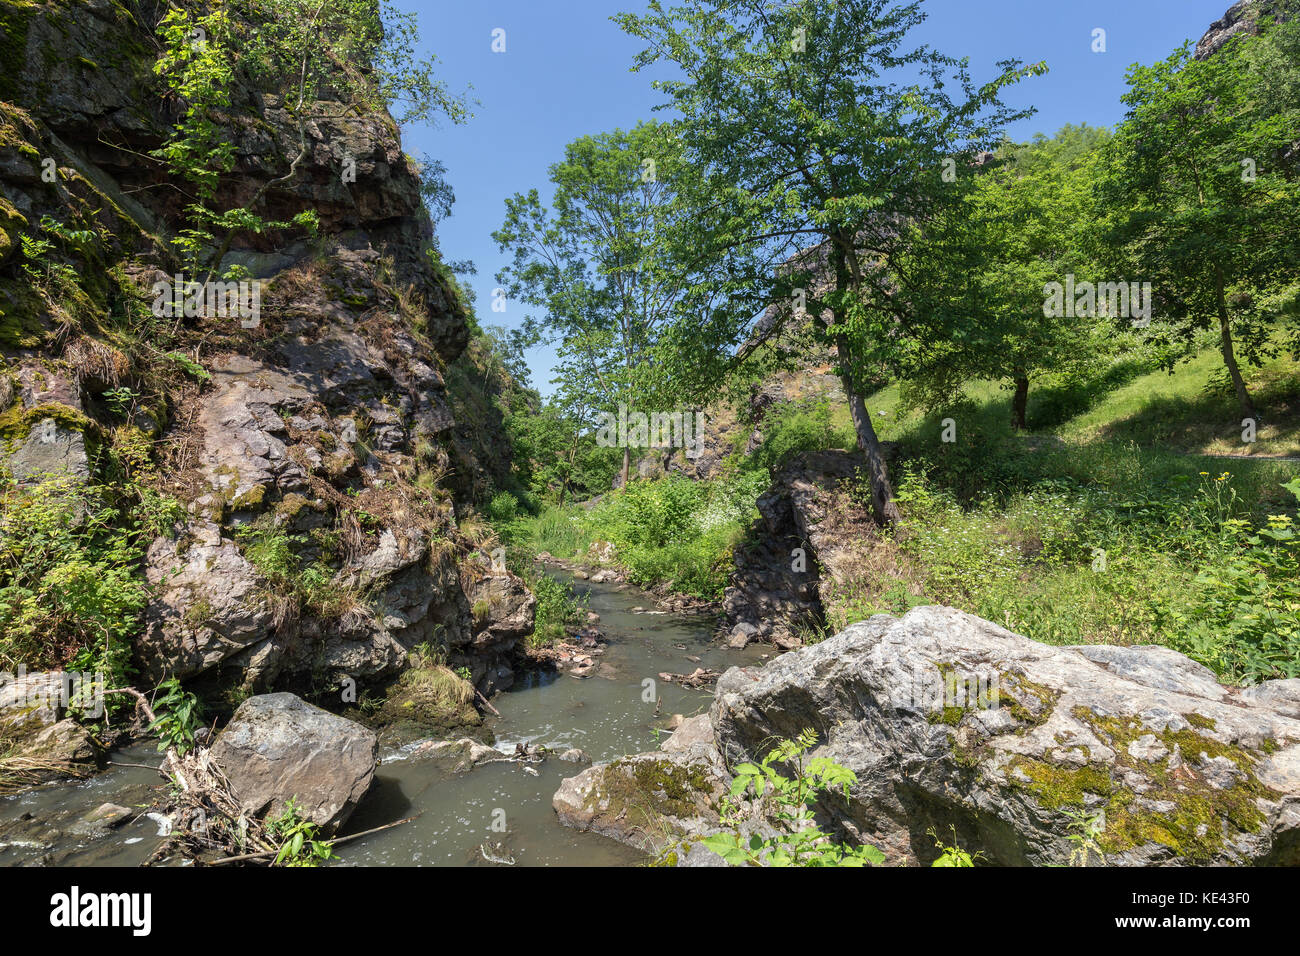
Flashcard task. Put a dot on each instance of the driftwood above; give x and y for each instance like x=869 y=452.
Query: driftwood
x=264 y=854
x=485 y=702
x=700 y=677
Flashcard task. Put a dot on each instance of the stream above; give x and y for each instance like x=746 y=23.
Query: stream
x=499 y=810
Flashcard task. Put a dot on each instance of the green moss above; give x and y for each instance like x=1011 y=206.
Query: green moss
x=948 y=715
x=1028 y=702
x=291 y=505
x=1057 y=786
x=16 y=423
x=433 y=698
x=249 y=500
x=21 y=311
x=198 y=613
x=1198 y=819
x=650 y=788
x=15 y=20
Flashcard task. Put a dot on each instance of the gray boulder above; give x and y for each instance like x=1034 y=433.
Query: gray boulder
x=49 y=450
x=950 y=721
x=953 y=724
x=648 y=801
x=278 y=746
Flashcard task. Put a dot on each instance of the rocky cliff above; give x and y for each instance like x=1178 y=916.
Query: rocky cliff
x=312 y=528
x=1243 y=17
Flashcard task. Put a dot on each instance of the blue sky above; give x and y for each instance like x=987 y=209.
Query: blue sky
x=565 y=73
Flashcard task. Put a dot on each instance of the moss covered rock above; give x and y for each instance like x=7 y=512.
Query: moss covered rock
x=648 y=801
x=1033 y=754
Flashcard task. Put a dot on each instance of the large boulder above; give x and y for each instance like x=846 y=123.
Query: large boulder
x=950 y=721
x=278 y=747
x=649 y=801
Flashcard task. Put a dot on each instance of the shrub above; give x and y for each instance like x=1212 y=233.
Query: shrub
x=794 y=427
x=787 y=804
x=71 y=592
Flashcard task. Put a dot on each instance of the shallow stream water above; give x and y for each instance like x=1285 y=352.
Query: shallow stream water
x=498 y=810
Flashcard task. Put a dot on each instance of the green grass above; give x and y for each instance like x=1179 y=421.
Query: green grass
x=1176 y=412
x=671 y=531
x=1179 y=412
x=558 y=531
x=1111 y=522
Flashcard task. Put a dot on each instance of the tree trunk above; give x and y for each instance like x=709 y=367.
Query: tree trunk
x=1019 y=401
x=627 y=462
x=1229 y=356
x=882 y=495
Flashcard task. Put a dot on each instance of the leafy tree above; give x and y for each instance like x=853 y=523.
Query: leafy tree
x=824 y=142
x=1202 y=203
x=1025 y=223
x=598 y=262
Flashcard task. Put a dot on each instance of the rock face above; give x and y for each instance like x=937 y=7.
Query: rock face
x=950 y=721
x=323 y=430
x=805 y=544
x=1243 y=17
x=278 y=747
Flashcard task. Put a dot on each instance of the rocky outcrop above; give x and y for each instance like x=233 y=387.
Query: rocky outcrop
x=953 y=724
x=313 y=450
x=802 y=549
x=278 y=747
x=1243 y=17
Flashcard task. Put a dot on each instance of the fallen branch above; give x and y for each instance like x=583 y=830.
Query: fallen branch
x=244 y=857
x=142 y=703
x=695 y=679
x=486 y=703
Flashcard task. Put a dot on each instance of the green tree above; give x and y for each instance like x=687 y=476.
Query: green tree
x=1025 y=224
x=831 y=141
x=1200 y=198
x=598 y=264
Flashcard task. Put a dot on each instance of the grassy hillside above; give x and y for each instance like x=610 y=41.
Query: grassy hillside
x=1177 y=412
x=1114 y=520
